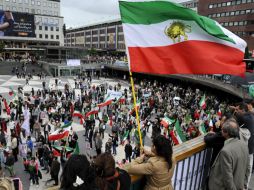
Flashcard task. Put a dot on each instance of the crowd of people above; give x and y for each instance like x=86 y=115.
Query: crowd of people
x=173 y=113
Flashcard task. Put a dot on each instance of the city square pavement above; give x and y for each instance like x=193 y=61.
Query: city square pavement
x=12 y=81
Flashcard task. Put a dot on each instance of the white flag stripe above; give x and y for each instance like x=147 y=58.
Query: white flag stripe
x=139 y=35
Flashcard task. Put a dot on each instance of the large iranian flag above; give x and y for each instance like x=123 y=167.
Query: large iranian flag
x=165 y=38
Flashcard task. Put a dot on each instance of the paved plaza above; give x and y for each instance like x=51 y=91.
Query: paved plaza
x=36 y=83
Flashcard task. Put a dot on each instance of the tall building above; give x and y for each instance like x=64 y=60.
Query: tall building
x=36 y=23
x=235 y=15
x=107 y=35
x=104 y=36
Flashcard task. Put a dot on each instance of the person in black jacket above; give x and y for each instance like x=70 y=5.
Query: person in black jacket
x=128 y=151
x=54 y=170
x=78 y=174
x=107 y=176
x=245 y=119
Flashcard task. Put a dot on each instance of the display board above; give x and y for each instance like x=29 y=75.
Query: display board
x=16 y=24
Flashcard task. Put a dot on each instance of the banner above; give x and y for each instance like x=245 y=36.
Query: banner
x=16 y=24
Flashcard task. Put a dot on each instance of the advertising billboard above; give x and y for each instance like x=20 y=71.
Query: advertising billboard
x=73 y=62
x=16 y=24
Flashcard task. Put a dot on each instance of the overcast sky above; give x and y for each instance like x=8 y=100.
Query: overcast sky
x=81 y=12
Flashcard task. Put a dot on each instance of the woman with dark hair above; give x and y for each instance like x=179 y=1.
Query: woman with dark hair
x=78 y=174
x=107 y=176
x=157 y=165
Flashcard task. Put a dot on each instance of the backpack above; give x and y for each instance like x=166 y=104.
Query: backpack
x=6 y=184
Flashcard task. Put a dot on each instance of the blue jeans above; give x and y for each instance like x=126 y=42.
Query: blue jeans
x=114 y=149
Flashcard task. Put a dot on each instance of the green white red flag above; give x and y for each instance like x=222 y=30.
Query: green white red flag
x=202 y=102
x=181 y=137
x=167 y=121
x=79 y=115
x=166 y=38
x=93 y=111
x=138 y=103
x=111 y=96
x=11 y=92
x=59 y=134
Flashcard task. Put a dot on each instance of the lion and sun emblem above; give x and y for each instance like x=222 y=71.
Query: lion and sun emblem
x=177 y=30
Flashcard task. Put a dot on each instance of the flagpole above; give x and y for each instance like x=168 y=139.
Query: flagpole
x=136 y=109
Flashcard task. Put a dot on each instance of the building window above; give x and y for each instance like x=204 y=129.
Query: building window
x=228 y=3
x=38 y=3
x=232 y=13
x=14 y=1
x=219 y=5
x=14 y=8
x=57 y=21
x=32 y=2
x=237 y=12
x=248 y=11
x=226 y=24
x=50 y=4
x=52 y=28
x=55 y=5
x=215 y=6
x=40 y=27
x=55 y=13
x=44 y=4
x=230 y=24
x=38 y=11
x=20 y=1
x=242 y=12
x=243 y=1
x=20 y=9
x=241 y=23
x=7 y=0
x=46 y=36
x=46 y=28
x=235 y=23
x=224 y=4
x=227 y=13
x=27 y=10
x=238 y=2
x=222 y=14
x=33 y=11
x=57 y=37
x=40 y=35
x=218 y=15
x=57 y=29
x=51 y=36
x=210 y=6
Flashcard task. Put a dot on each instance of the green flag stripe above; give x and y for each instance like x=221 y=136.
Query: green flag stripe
x=179 y=131
x=153 y=12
